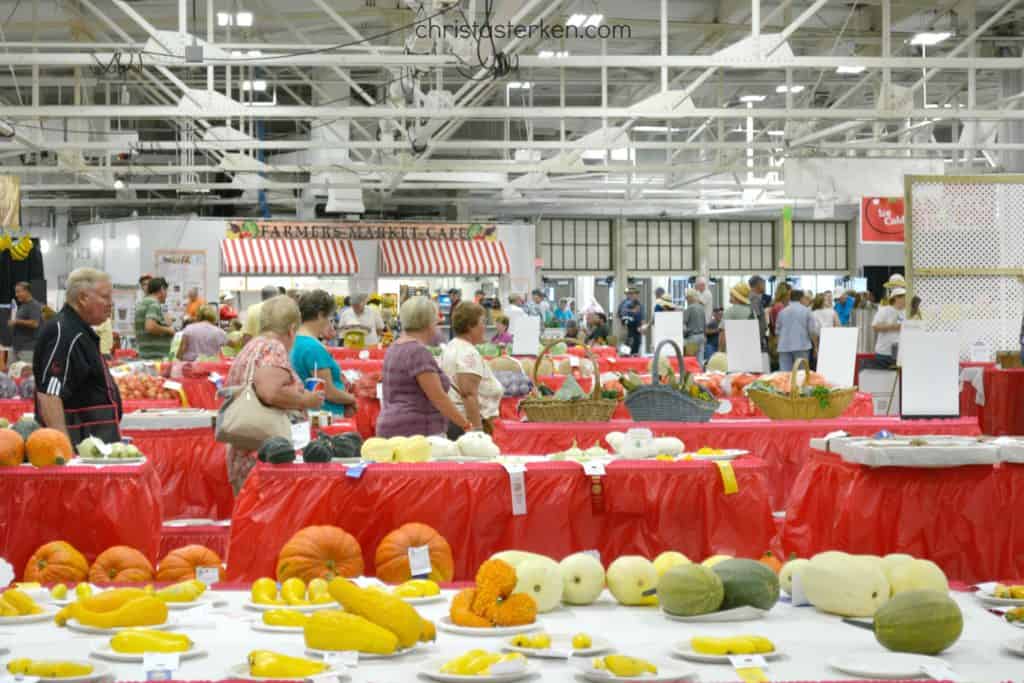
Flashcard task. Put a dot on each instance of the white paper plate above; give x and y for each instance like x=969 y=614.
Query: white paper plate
x=368 y=655
x=241 y=672
x=47 y=614
x=204 y=599
x=683 y=649
x=105 y=652
x=561 y=642
x=73 y=625
x=298 y=608
x=735 y=614
x=110 y=461
x=445 y=624
x=885 y=665
x=729 y=454
x=432 y=669
x=425 y=601
x=258 y=625
x=99 y=670
x=665 y=673
x=4 y=650
x=987 y=597
x=1015 y=647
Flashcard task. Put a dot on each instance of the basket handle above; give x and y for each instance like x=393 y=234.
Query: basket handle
x=596 y=393
x=794 y=391
x=655 y=378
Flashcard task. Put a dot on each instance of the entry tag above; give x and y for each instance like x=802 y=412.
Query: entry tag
x=171 y=385
x=301 y=434
x=208 y=575
x=574 y=362
x=749 y=668
x=593 y=468
x=517 y=482
x=347 y=658
x=729 y=483
x=380 y=392
x=160 y=666
x=419 y=561
x=356 y=471
x=797 y=596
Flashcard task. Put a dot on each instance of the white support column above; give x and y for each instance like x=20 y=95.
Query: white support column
x=664 y=44
x=183 y=18
x=755 y=25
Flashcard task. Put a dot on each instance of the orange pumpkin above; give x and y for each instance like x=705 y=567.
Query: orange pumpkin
x=12 y=448
x=56 y=562
x=392 y=557
x=769 y=560
x=48 y=447
x=181 y=564
x=320 y=551
x=121 y=564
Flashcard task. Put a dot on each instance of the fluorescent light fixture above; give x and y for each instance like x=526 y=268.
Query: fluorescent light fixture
x=258 y=85
x=792 y=88
x=131 y=241
x=934 y=105
x=576 y=20
x=96 y=244
x=546 y=54
x=738 y=129
x=243 y=19
x=617 y=154
x=265 y=103
x=118 y=184
x=929 y=38
x=850 y=69
x=655 y=129
x=236 y=53
x=44 y=246
x=753 y=98
x=776 y=133
x=593 y=20
x=224 y=19
x=520 y=85
x=254 y=53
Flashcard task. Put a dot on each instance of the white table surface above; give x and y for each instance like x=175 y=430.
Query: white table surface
x=807 y=637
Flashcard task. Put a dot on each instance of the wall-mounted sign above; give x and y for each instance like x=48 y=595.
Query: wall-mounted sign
x=360 y=230
x=881 y=219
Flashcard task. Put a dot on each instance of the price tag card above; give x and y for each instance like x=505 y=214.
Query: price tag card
x=171 y=385
x=301 y=434
x=574 y=362
x=798 y=596
x=348 y=659
x=356 y=471
x=159 y=663
x=517 y=482
x=326 y=677
x=208 y=575
x=750 y=668
x=380 y=392
x=419 y=561
x=18 y=679
x=593 y=468
x=940 y=671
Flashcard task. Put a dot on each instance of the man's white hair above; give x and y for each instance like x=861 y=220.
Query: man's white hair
x=82 y=280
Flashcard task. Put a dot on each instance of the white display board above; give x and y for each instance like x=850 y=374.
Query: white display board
x=183 y=270
x=668 y=325
x=837 y=355
x=930 y=382
x=525 y=331
x=743 y=346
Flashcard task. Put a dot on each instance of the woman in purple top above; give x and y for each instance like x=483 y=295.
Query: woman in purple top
x=415 y=397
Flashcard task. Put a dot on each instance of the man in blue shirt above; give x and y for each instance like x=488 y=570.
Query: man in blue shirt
x=794 y=327
x=631 y=313
x=844 y=307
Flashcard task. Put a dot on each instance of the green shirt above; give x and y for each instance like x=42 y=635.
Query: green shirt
x=151 y=346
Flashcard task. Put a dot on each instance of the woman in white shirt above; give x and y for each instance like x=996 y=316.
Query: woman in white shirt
x=824 y=314
x=475 y=391
x=887 y=324
x=359 y=316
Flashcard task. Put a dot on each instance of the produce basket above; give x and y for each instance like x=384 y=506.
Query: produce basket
x=657 y=402
x=797 y=407
x=549 y=409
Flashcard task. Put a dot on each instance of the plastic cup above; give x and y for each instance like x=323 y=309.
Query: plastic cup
x=314 y=384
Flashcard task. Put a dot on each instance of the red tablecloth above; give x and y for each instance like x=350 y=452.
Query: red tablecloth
x=13 y=408
x=962 y=518
x=192 y=471
x=200 y=392
x=1003 y=412
x=784 y=444
x=339 y=426
x=646 y=508
x=91 y=508
x=361 y=365
x=213 y=536
x=340 y=353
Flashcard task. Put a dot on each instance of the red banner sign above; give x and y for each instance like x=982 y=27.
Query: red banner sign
x=360 y=230
x=881 y=219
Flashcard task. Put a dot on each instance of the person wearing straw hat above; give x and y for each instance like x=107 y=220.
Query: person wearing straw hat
x=739 y=309
x=887 y=324
x=694 y=324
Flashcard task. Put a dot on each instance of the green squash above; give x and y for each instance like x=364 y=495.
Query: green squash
x=690 y=589
x=347 y=445
x=276 y=450
x=570 y=390
x=922 y=622
x=318 y=450
x=747 y=583
x=25 y=427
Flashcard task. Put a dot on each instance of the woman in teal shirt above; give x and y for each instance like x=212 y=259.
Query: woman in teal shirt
x=310 y=358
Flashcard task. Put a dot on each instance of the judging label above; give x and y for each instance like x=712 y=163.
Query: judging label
x=593 y=468
x=356 y=471
x=171 y=385
x=517 y=482
x=208 y=575
x=419 y=561
x=749 y=668
x=160 y=662
x=346 y=658
x=301 y=434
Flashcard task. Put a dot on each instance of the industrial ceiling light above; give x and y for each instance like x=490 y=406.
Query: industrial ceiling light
x=656 y=129
x=520 y=85
x=791 y=89
x=118 y=184
x=852 y=70
x=551 y=54
x=747 y=99
x=96 y=244
x=243 y=19
x=224 y=19
x=131 y=241
x=929 y=38
x=257 y=85
x=576 y=20
x=776 y=133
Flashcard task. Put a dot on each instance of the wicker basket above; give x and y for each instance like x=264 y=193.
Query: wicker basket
x=796 y=407
x=548 y=409
x=658 y=402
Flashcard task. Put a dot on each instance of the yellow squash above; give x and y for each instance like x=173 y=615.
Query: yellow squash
x=293 y=591
x=138 y=641
x=284 y=617
x=48 y=668
x=337 y=630
x=7 y=609
x=83 y=590
x=59 y=592
x=20 y=601
x=383 y=609
x=186 y=591
x=732 y=645
x=264 y=592
x=144 y=611
x=318 y=592
x=267 y=664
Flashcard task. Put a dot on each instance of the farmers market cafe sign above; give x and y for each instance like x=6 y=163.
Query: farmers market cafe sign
x=360 y=231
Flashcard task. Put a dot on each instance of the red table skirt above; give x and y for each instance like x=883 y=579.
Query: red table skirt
x=213 y=536
x=1003 y=412
x=962 y=518
x=339 y=426
x=90 y=508
x=200 y=392
x=784 y=444
x=191 y=469
x=341 y=353
x=13 y=408
x=644 y=508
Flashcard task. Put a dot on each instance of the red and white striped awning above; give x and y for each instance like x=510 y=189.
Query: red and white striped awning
x=444 y=257
x=288 y=257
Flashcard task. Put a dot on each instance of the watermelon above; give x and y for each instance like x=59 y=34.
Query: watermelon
x=924 y=622
x=318 y=450
x=276 y=450
x=689 y=589
x=347 y=445
x=747 y=583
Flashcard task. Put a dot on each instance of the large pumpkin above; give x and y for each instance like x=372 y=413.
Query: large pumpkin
x=320 y=551
x=121 y=564
x=392 y=557
x=48 y=447
x=56 y=562
x=12 y=448
x=181 y=564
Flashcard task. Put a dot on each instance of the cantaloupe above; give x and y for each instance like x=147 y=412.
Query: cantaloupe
x=921 y=622
x=687 y=590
